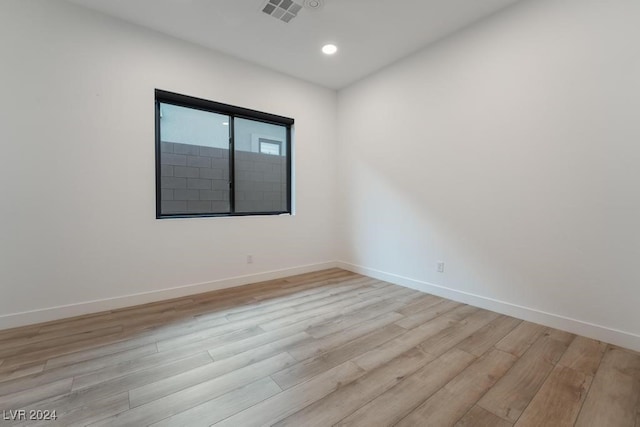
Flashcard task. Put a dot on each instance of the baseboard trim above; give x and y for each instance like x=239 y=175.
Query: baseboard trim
x=71 y=310
x=590 y=330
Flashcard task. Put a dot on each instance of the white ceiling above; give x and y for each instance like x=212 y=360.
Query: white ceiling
x=370 y=34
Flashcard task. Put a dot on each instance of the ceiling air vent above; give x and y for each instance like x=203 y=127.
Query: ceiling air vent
x=284 y=10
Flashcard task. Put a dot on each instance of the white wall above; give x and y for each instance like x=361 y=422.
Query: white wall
x=510 y=151
x=78 y=189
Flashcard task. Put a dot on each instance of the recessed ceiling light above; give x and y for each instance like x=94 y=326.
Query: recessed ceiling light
x=225 y=123
x=329 y=49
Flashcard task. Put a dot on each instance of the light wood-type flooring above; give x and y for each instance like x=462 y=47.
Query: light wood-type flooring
x=320 y=349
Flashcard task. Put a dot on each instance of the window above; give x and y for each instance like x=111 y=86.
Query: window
x=215 y=159
x=268 y=146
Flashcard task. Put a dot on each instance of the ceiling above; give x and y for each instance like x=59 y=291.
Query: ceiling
x=370 y=34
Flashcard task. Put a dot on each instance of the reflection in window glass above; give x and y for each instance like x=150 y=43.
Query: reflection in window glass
x=260 y=166
x=270 y=147
x=194 y=161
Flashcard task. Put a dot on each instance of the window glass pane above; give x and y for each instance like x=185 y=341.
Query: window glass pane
x=194 y=161
x=268 y=146
x=260 y=166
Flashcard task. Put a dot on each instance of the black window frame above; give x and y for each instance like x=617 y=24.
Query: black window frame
x=165 y=97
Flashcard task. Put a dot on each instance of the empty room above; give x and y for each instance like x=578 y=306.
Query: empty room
x=320 y=212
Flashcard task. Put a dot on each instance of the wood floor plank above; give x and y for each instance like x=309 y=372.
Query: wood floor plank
x=316 y=279
x=215 y=306
x=454 y=334
x=322 y=317
x=99 y=352
x=459 y=395
x=285 y=312
x=484 y=338
x=7 y=350
x=122 y=369
x=14 y=370
x=279 y=342
x=224 y=406
x=39 y=341
x=316 y=365
x=288 y=320
x=21 y=372
x=92 y=396
x=391 y=406
x=615 y=391
x=300 y=286
x=204 y=335
x=462 y=312
x=558 y=401
x=128 y=343
x=395 y=347
x=7 y=335
x=309 y=300
x=188 y=398
x=169 y=385
x=40 y=356
x=347 y=399
x=478 y=417
x=34 y=330
x=43 y=350
x=282 y=405
x=518 y=341
x=357 y=288
x=127 y=317
x=416 y=319
x=324 y=281
x=353 y=318
x=513 y=392
x=584 y=355
x=218 y=304
x=92 y=321
x=20 y=399
x=408 y=296
x=92 y=411
x=327 y=343
x=70 y=371
x=424 y=302
x=135 y=321
x=267 y=321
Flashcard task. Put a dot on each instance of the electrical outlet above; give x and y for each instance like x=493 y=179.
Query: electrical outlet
x=440 y=267
x=249 y=259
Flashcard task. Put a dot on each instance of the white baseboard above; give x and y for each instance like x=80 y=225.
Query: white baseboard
x=590 y=330
x=55 y=313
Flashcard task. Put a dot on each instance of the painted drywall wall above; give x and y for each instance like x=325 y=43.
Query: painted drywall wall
x=510 y=152
x=78 y=172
